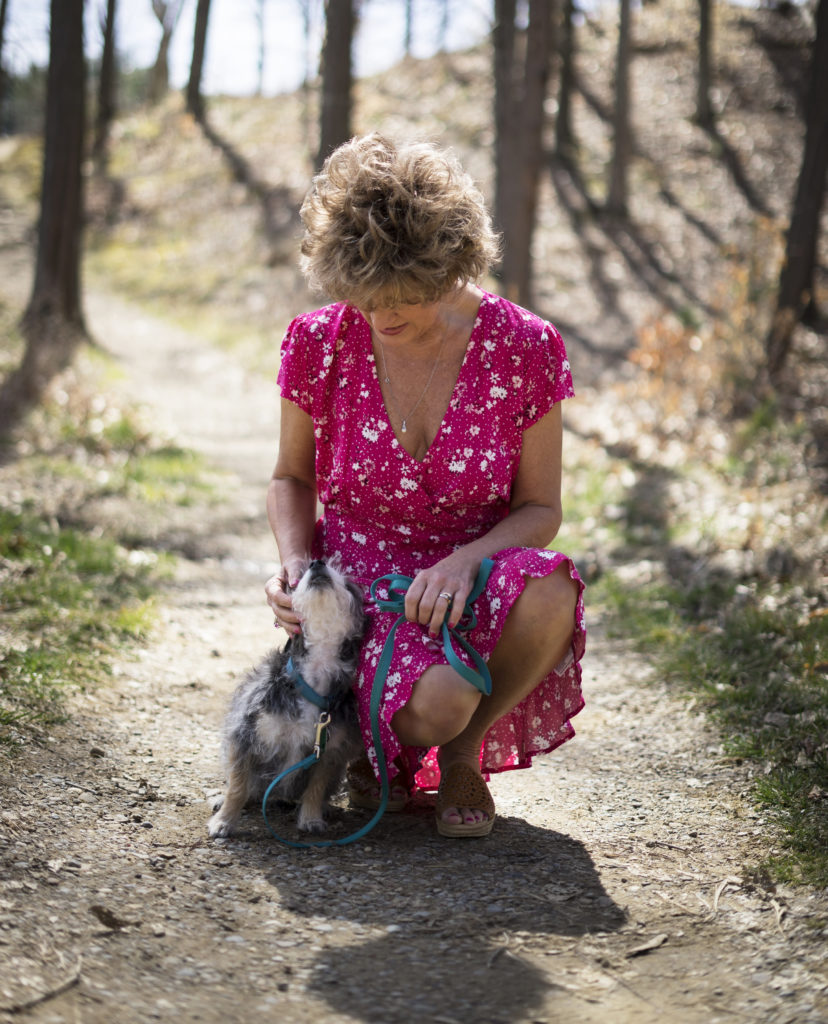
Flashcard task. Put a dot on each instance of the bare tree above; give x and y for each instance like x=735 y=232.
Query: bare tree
x=53 y=324
x=521 y=71
x=167 y=12
x=4 y=8
x=704 y=107
x=445 y=21
x=260 y=58
x=195 y=100
x=564 y=134
x=337 y=77
x=409 y=27
x=107 y=84
x=795 y=292
x=621 y=127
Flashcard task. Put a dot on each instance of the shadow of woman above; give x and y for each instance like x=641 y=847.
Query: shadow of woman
x=422 y=926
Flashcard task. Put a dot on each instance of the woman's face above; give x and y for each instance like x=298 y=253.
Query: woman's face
x=406 y=323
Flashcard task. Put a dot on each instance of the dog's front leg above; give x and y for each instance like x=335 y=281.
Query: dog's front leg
x=224 y=821
x=312 y=805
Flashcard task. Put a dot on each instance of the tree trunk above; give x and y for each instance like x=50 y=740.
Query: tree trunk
x=409 y=27
x=260 y=60
x=106 y=92
x=167 y=12
x=53 y=323
x=796 y=277
x=337 y=77
x=521 y=70
x=195 y=100
x=564 y=136
x=622 y=131
x=4 y=6
x=704 y=108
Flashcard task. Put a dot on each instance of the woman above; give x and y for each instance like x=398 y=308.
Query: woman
x=424 y=414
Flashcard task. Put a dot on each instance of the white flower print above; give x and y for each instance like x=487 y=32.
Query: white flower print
x=496 y=391
x=360 y=538
x=517 y=382
x=370 y=435
x=408 y=484
x=457 y=466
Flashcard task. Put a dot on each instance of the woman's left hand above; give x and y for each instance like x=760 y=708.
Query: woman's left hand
x=445 y=585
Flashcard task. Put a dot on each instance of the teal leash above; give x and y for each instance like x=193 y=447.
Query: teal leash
x=396 y=586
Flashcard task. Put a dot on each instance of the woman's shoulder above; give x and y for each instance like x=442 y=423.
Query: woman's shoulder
x=507 y=321
x=323 y=322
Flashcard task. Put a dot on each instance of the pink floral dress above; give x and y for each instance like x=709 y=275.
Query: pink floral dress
x=385 y=511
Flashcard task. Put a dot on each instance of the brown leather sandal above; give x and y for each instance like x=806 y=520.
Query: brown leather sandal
x=462 y=786
x=364 y=787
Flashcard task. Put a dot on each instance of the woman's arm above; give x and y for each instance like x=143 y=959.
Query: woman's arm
x=533 y=521
x=291 y=507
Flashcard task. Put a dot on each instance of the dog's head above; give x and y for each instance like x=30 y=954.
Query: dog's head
x=329 y=604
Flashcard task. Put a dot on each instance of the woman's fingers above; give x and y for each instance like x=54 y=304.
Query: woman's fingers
x=432 y=595
x=281 y=604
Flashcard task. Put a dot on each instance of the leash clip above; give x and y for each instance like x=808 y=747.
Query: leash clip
x=321 y=734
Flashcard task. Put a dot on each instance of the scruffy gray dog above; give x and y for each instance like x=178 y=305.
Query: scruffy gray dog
x=271 y=725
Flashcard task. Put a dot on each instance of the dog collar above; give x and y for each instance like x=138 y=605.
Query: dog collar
x=305 y=689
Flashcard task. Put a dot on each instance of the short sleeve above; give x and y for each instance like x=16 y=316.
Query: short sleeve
x=548 y=378
x=296 y=376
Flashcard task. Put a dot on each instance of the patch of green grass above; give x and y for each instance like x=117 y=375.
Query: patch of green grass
x=759 y=660
x=67 y=600
x=170 y=475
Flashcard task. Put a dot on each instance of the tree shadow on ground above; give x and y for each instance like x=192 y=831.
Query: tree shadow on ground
x=730 y=158
x=641 y=254
x=435 y=916
x=279 y=209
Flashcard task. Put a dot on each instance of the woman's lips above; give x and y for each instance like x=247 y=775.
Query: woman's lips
x=392 y=331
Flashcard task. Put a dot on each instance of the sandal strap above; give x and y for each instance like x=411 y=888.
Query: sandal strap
x=462 y=786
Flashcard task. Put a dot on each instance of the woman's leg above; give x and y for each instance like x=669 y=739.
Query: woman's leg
x=536 y=637
x=447 y=712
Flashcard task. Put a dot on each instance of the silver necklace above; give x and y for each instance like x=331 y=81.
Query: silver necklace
x=387 y=380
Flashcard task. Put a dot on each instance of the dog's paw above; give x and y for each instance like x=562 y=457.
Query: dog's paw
x=217 y=803
x=310 y=822
x=219 y=827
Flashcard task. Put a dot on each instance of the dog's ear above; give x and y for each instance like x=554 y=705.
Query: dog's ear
x=357 y=595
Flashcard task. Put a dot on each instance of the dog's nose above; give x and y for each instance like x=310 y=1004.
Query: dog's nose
x=318 y=572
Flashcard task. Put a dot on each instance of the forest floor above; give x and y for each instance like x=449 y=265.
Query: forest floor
x=613 y=887
x=619 y=883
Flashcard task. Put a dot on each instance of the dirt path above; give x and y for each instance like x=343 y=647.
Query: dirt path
x=613 y=888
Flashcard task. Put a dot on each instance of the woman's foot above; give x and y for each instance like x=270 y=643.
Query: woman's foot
x=364 y=789
x=464 y=804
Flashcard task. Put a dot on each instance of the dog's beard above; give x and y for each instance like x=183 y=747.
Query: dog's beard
x=330 y=607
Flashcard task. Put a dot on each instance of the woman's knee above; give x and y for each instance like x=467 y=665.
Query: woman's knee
x=549 y=599
x=440 y=707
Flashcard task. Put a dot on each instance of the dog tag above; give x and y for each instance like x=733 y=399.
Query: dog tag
x=321 y=734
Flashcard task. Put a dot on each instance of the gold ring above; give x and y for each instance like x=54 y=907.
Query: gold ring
x=447 y=597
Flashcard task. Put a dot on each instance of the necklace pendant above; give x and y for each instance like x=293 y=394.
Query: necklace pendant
x=403 y=428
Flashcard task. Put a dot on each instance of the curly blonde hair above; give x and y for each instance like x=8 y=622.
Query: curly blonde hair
x=387 y=225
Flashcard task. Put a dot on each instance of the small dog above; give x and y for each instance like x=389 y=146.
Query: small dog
x=271 y=725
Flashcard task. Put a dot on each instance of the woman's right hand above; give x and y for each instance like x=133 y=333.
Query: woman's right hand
x=278 y=589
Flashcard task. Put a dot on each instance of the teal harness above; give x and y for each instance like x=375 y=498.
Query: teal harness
x=395 y=586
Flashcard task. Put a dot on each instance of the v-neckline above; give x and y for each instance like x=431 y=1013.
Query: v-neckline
x=470 y=344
